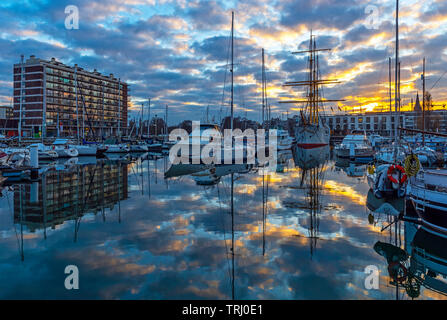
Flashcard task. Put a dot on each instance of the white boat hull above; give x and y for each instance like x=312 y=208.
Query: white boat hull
x=86 y=150
x=66 y=152
x=312 y=136
x=117 y=148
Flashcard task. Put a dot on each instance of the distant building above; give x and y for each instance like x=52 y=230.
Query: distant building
x=383 y=123
x=417 y=106
x=6 y=112
x=51 y=97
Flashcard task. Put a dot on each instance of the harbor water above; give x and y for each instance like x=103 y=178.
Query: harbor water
x=301 y=232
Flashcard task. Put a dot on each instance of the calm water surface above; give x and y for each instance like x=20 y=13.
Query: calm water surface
x=301 y=233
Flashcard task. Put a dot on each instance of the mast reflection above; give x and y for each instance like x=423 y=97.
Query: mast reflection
x=312 y=163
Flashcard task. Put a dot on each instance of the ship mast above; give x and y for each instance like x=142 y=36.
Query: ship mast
x=263 y=89
x=313 y=83
x=423 y=103
x=397 y=84
x=232 y=71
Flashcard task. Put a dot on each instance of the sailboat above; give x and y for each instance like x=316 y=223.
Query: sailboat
x=202 y=135
x=389 y=181
x=310 y=131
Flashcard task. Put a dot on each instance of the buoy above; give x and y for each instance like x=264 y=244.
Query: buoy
x=391 y=170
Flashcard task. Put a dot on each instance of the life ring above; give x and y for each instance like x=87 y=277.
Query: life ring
x=394 y=268
x=391 y=169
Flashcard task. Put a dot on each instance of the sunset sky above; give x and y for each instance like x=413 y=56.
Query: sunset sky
x=175 y=51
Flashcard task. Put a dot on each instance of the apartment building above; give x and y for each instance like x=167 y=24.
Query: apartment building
x=51 y=99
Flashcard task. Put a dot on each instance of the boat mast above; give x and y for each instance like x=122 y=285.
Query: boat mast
x=397 y=84
x=313 y=82
x=166 y=123
x=141 y=121
x=389 y=81
x=311 y=79
x=232 y=174
x=263 y=88
x=423 y=103
x=149 y=119
x=232 y=70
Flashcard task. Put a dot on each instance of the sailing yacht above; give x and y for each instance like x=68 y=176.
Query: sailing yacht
x=389 y=181
x=311 y=131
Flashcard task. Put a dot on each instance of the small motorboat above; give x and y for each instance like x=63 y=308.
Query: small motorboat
x=45 y=152
x=284 y=141
x=356 y=147
x=64 y=149
x=138 y=147
x=387 y=181
x=117 y=148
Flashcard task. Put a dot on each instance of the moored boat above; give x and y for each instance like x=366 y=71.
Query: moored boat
x=428 y=192
x=64 y=149
x=355 y=146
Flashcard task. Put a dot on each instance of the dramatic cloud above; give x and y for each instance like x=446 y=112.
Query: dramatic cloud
x=177 y=52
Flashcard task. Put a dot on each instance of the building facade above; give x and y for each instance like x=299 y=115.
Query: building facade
x=51 y=98
x=6 y=112
x=384 y=123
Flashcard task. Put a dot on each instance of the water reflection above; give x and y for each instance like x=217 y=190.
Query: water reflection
x=312 y=163
x=63 y=195
x=423 y=263
x=150 y=231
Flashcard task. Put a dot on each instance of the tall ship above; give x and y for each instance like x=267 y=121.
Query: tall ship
x=310 y=130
